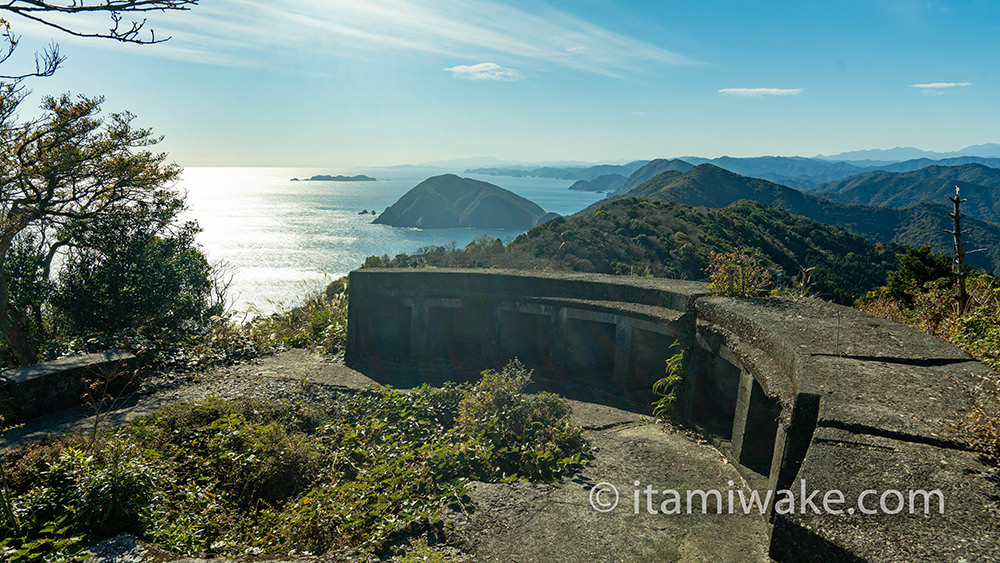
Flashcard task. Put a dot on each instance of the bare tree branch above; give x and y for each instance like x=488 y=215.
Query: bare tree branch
x=39 y=11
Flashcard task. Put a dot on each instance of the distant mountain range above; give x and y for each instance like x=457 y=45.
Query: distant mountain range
x=903 y=202
x=990 y=150
x=563 y=172
x=979 y=184
x=922 y=222
x=798 y=172
x=667 y=217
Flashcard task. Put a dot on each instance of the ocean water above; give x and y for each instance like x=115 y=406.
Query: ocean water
x=281 y=239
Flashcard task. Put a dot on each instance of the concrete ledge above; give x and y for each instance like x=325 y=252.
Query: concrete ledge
x=792 y=390
x=32 y=391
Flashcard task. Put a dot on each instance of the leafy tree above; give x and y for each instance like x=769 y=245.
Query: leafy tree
x=138 y=277
x=917 y=268
x=63 y=175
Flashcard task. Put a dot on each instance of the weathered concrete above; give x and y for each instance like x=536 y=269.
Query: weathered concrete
x=791 y=390
x=33 y=391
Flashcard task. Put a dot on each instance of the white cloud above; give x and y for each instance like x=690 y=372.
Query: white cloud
x=941 y=85
x=757 y=92
x=264 y=33
x=484 y=71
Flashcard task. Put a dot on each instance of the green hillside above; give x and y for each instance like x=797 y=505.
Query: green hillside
x=639 y=237
x=980 y=185
x=650 y=171
x=924 y=223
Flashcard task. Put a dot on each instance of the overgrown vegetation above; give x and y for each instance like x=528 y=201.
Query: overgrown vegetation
x=246 y=476
x=319 y=323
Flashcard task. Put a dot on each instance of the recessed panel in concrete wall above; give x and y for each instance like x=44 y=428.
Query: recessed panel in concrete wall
x=384 y=333
x=715 y=388
x=648 y=359
x=456 y=334
x=590 y=347
x=529 y=337
x=755 y=425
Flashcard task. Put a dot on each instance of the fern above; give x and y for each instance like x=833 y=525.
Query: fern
x=668 y=388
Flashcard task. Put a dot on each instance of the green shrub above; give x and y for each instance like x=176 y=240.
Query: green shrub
x=106 y=493
x=522 y=434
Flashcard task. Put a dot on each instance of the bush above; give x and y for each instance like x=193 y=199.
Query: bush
x=526 y=435
x=980 y=426
x=740 y=273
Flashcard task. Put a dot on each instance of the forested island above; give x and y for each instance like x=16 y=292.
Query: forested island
x=448 y=201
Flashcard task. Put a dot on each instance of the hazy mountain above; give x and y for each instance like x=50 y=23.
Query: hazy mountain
x=563 y=172
x=795 y=171
x=990 y=150
x=908 y=165
x=606 y=183
x=450 y=201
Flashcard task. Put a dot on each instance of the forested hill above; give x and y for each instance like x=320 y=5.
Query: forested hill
x=923 y=224
x=641 y=237
x=980 y=185
x=448 y=201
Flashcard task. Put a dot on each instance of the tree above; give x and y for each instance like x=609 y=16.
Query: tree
x=917 y=268
x=48 y=12
x=135 y=277
x=62 y=176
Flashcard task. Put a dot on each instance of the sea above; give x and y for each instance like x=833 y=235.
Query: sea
x=280 y=240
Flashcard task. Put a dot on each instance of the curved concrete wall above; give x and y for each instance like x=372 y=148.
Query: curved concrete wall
x=792 y=391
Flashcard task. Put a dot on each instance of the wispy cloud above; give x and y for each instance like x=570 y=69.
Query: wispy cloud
x=758 y=92
x=267 y=33
x=941 y=85
x=484 y=71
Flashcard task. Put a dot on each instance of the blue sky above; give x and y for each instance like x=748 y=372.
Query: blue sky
x=346 y=83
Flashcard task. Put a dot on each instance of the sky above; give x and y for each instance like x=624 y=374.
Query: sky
x=344 y=84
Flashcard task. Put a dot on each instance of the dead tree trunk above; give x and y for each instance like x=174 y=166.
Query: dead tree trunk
x=958 y=249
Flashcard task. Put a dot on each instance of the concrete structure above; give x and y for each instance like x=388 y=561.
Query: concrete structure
x=801 y=395
x=32 y=391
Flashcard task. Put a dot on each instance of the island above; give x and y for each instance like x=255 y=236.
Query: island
x=606 y=183
x=338 y=178
x=450 y=201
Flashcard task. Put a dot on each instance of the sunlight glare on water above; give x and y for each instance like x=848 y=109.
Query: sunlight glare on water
x=283 y=239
